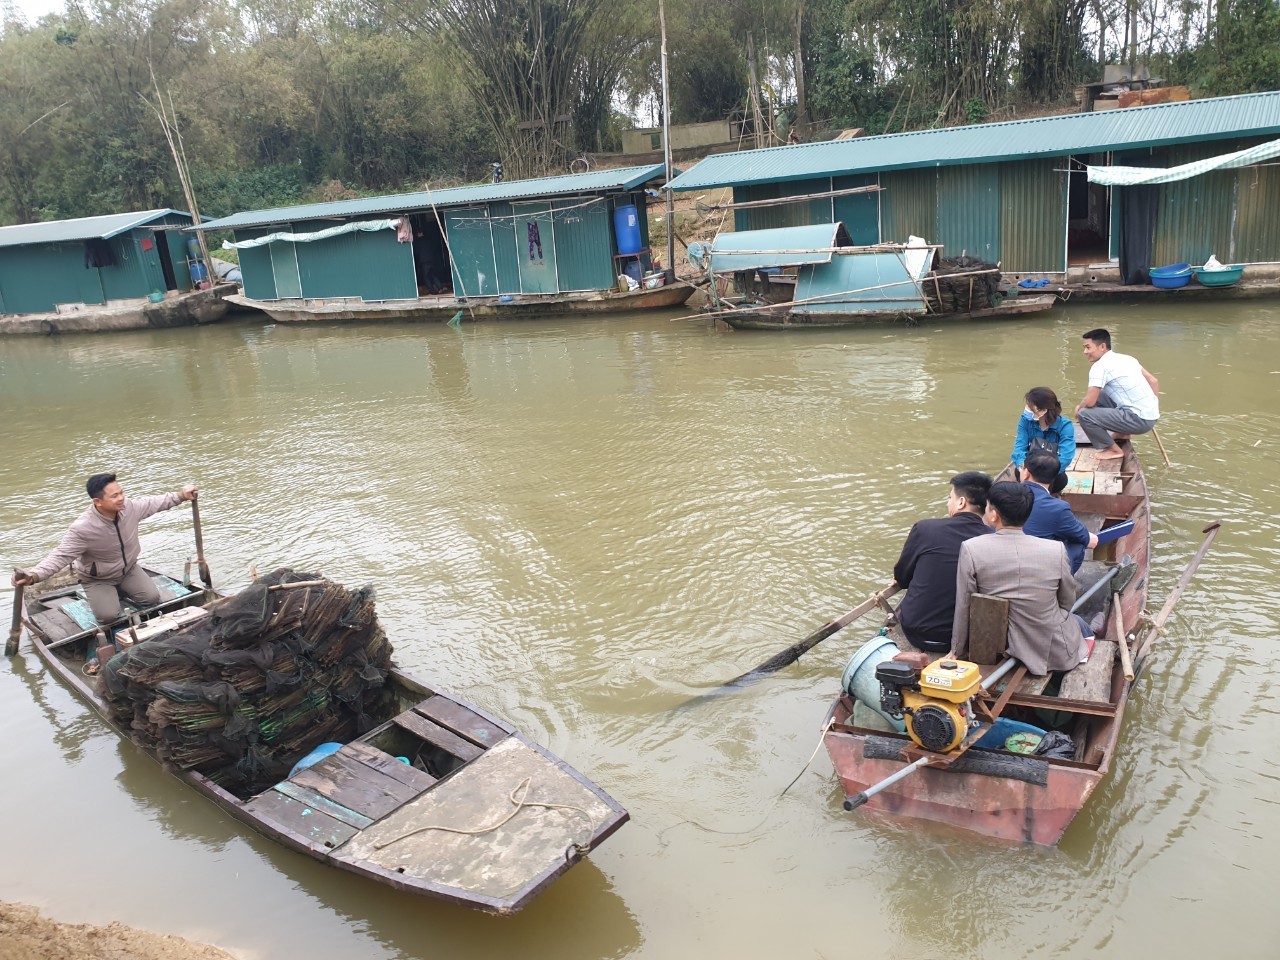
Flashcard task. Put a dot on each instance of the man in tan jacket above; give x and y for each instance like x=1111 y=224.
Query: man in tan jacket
x=102 y=547
x=1032 y=574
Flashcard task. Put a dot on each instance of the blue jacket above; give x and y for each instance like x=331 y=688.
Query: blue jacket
x=1063 y=433
x=1052 y=519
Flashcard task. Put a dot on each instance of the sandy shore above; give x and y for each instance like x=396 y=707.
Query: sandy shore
x=26 y=935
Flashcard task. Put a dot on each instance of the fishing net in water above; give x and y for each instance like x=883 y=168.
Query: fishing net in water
x=241 y=695
x=956 y=285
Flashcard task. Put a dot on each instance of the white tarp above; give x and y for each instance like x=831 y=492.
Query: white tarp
x=1134 y=176
x=368 y=226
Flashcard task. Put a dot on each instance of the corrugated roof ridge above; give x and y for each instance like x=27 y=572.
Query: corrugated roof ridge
x=145 y=214
x=592 y=180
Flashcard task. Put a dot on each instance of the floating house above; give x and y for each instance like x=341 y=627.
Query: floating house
x=1019 y=193
x=555 y=241
x=51 y=267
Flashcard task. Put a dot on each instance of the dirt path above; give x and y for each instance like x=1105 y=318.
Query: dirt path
x=26 y=935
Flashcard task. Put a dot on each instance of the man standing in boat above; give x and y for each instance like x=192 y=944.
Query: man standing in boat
x=1122 y=398
x=1032 y=574
x=927 y=567
x=102 y=547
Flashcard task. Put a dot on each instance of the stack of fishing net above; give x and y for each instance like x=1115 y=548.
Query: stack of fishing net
x=961 y=285
x=240 y=695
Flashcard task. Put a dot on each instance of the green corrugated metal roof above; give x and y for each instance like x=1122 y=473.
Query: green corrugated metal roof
x=84 y=228
x=777 y=247
x=1253 y=114
x=598 y=181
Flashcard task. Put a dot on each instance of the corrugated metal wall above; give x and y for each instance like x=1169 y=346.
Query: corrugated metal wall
x=372 y=266
x=1033 y=211
x=969 y=211
x=177 y=243
x=584 y=247
x=859 y=212
x=909 y=204
x=471 y=242
x=1257 y=227
x=36 y=278
x=259 y=280
x=783 y=215
x=505 y=251
x=1195 y=215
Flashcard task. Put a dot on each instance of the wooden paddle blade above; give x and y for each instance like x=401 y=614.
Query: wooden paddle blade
x=15 y=631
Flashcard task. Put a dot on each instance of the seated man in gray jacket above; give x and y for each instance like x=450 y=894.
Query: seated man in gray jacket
x=102 y=546
x=1032 y=574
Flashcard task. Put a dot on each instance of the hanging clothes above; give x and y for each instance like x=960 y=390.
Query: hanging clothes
x=97 y=253
x=404 y=231
x=535 y=239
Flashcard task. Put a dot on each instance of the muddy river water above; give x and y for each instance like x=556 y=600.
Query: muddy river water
x=578 y=525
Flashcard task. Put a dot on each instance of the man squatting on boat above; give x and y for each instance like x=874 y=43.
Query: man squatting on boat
x=1122 y=398
x=102 y=547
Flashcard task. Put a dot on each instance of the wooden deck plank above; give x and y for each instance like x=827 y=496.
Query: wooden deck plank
x=465 y=723
x=291 y=788
x=56 y=624
x=1092 y=681
x=385 y=763
x=355 y=786
x=433 y=733
x=1107 y=483
x=301 y=818
x=1079 y=481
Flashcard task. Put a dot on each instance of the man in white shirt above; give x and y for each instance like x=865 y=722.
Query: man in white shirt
x=1122 y=398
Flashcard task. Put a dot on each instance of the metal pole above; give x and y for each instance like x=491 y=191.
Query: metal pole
x=666 y=148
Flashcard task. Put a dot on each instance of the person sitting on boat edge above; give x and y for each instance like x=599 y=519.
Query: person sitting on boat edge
x=1032 y=574
x=102 y=547
x=1123 y=397
x=1043 y=427
x=927 y=567
x=1051 y=518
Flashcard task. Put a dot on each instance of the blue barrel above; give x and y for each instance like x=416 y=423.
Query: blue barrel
x=198 y=272
x=859 y=679
x=626 y=224
x=193 y=248
x=634 y=270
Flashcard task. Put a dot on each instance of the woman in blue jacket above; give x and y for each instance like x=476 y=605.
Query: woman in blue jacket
x=1042 y=426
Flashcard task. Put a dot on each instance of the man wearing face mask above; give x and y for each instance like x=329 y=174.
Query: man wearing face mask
x=102 y=546
x=927 y=567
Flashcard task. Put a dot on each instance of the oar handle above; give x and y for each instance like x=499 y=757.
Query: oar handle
x=15 y=631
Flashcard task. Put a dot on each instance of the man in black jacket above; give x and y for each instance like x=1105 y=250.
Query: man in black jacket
x=927 y=567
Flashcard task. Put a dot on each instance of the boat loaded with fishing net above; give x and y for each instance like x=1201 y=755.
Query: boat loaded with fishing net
x=282 y=704
x=814 y=276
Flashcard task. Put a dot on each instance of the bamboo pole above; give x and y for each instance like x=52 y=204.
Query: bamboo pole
x=781 y=201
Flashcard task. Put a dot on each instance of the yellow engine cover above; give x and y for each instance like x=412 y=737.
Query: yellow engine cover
x=938 y=714
x=954 y=680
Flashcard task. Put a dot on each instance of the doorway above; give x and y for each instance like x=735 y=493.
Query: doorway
x=430 y=256
x=1088 y=214
x=536 y=247
x=161 y=240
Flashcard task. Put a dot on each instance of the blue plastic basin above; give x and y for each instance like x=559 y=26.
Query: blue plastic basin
x=859 y=679
x=1173 y=275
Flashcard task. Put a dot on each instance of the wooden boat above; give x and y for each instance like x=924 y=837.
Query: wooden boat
x=785 y=319
x=995 y=792
x=814 y=276
x=442 y=309
x=175 y=310
x=483 y=817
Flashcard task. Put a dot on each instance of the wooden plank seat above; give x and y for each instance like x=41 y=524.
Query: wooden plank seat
x=436 y=735
x=1092 y=681
x=464 y=722
x=346 y=780
x=317 y=826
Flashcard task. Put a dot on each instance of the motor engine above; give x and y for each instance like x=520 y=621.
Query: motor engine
x=937 y=700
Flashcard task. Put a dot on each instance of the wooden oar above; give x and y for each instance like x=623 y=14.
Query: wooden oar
x=1157 y=625
x=15 y=631
x=201 y=564
x=797 y=650
x=1156 y=433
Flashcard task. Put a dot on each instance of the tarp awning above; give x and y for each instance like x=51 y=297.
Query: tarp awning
x=779 y=247
x=1136 y=176
x=366 y=226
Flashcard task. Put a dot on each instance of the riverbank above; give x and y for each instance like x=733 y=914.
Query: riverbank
x=26 y=934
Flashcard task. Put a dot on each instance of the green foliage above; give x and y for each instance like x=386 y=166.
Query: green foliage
x=975 y=111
